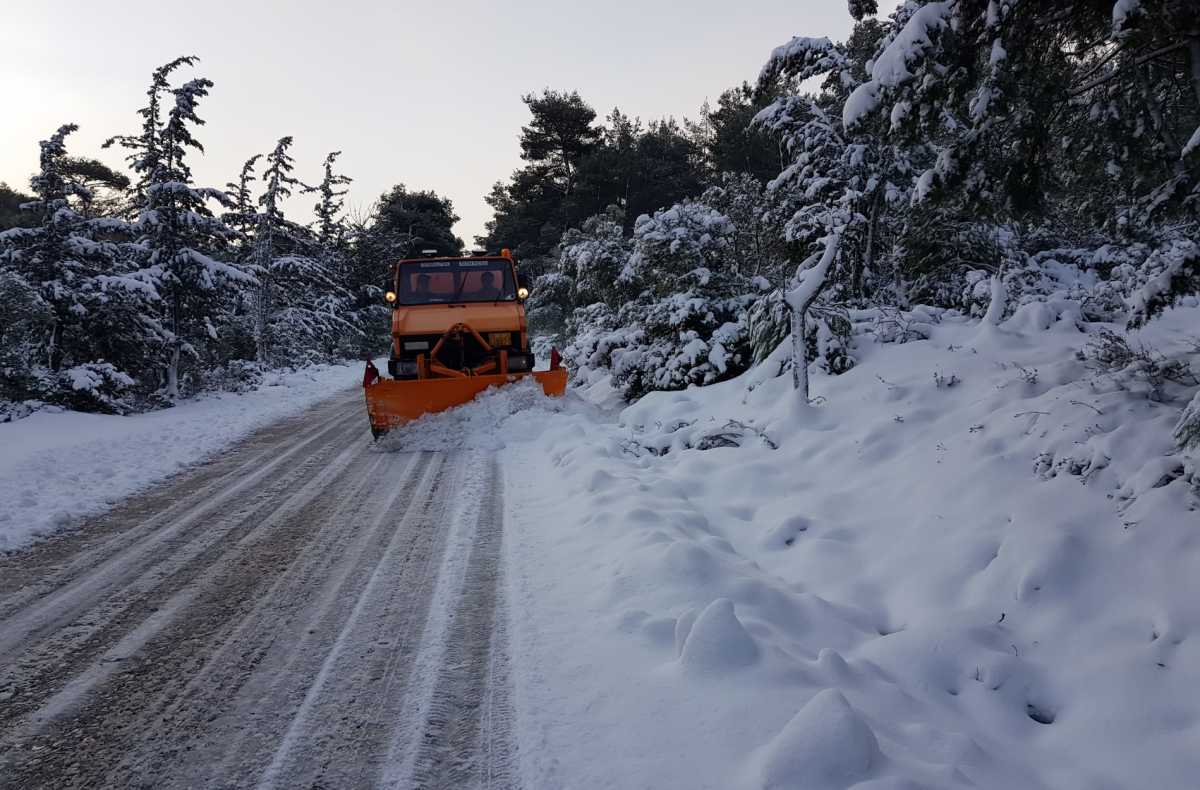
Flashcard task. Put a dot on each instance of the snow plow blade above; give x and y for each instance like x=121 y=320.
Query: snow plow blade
x=392 y=403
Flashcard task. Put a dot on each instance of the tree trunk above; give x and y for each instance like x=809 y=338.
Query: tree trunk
x=263 y=252
x=173 y=373
x=868 y=258
x=808 y=284
x=262 y=311
x=173 y=365
x=800 y=358
x=1194 y=58
x=54 y=350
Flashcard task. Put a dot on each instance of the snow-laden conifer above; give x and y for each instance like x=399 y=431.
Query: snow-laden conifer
x=68 y=275
x=180 y=242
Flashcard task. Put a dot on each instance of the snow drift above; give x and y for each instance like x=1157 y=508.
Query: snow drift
x=57 y=466
x=972 y=563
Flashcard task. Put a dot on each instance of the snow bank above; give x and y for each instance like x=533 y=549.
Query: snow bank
x=56 y=466
x=974 y=563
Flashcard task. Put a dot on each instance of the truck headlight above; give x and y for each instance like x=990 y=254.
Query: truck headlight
x=495 y=339
x=416 y=345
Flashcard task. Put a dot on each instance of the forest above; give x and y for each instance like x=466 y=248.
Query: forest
x=963 y=155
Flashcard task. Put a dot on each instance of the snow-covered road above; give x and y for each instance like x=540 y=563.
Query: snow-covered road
x=973 y=564
x=302 y=611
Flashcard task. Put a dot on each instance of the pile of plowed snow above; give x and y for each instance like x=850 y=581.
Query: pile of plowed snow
x=56 y=465
x=478 y=425
x=975 y=562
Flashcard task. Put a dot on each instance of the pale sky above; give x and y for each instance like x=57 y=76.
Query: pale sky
x=424 y=93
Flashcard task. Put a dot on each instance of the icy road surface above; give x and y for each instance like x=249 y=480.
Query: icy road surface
x=303 y=611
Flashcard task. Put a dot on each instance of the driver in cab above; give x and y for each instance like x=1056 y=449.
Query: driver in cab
x=489 y=288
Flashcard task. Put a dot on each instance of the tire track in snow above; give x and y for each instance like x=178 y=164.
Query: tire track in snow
x=78 y=694
x=382 y=628
x=163 y=528
x=251 y=648
x=85 y=628
x=458 y=723
x=285 y=606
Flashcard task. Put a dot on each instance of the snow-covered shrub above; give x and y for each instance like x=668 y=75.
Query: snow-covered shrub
x=11 y=411
x=1137 y=367
x=27 y=320
x=550 y=303
x=593 y=257
x=768 y=322
x=758 y=246
x=1187 y=430
x=680 y=340
x=671 y=316
x=893 y=325
x=688 y=241
x=595 y=335
x=695 y=434
x=828 y=333
x=586 y=272
x=1171 y=272
x=95 y=386
x=238 y=375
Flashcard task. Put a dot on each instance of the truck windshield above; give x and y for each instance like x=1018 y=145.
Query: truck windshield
x=441 y=282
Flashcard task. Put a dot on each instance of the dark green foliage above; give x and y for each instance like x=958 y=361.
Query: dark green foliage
x=11 y=214
x=560 y=134
x=577 y=169
x=862 y=8
x=411 y=221
x=733 y=143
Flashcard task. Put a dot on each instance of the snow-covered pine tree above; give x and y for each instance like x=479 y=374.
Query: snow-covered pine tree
x=687 y=323
x=178 y=235
x=589 y=262
x=852 y=179
x=758 y=247
x=274 y=239
x=593 y=257
x=841 y=183
x=678 y=247
x=1004 y=91
x=332 y=253
x=331 y=227
x=236 y=340
x=99 y=318
x=299 y=305
x=243 y=214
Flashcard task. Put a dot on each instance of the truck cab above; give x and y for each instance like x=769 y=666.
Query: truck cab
x=458 y=316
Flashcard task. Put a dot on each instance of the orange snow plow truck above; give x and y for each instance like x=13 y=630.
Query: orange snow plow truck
x=458 y=327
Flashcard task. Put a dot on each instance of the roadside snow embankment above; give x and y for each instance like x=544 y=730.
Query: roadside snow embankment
x=56 y=466
x=975 y=563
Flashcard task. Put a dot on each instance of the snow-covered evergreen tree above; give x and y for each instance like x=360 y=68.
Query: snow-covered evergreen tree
x=594 y=256
x=180 y=240
x=689 y=241
x=69 y=276
x=333 y=255
x=299 y=306
x=275 y=240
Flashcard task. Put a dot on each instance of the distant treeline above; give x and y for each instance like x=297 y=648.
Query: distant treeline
x=121 y=292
